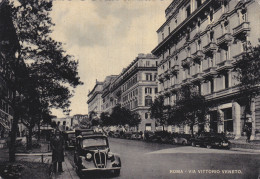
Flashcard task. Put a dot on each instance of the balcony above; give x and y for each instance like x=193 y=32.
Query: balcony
x=175 y=88
x=211 y=71
x=238 y=57
x=225 y=65
x=241 y=30
x=212 y=46
x=196 y=77
x=197 y=56
x=187 y=80
x=223 y=93
x=224 y=39
x=186 y=62
x=161 y=78
x=166 y=75
x=174 y=69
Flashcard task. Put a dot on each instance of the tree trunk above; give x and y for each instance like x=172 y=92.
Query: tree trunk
x=13 y=133
x=29 y=140
x=192 y=131
x=39 y=130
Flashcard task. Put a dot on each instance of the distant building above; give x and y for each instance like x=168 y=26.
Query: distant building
x=108 y=101
x=134 y=88
x=77 y=119
x=64 y=120
x=94 y=98
x=199 y=43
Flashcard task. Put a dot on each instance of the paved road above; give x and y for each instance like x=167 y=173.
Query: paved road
x=141 y=160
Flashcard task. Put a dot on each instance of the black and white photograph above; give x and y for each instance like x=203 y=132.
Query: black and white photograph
x=130 y=89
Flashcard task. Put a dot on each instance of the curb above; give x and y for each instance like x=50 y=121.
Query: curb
x=245 y=150
x=33 y=154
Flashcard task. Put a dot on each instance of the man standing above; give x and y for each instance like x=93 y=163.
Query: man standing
x=57 y=146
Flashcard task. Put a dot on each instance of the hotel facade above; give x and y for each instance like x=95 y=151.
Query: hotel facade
x=199 y=43
x=134 y=88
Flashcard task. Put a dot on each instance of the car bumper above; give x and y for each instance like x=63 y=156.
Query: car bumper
x=100 y=169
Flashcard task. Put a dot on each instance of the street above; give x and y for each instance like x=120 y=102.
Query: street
x=151 y=160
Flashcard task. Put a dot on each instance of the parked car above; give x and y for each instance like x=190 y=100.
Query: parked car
x=92 y=153
x=83 y=132
x=136 y=136
x=70 y=139
x=127 y=135
x=184 y=139
x=211 y=140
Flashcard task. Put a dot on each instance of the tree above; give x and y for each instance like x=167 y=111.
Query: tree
x=51 y=71
x=190 y=108
x=158 y=110
x=105 y=120
x=248 y=74
x=134 y=120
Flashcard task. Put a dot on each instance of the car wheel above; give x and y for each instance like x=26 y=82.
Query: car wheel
x=193 y=144
x=117 y=172
x=209 y=146
x=184 y=143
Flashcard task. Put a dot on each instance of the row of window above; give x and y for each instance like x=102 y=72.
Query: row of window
x=129 y=83
x=148 y=90
x=150 y=77
x=130 y=95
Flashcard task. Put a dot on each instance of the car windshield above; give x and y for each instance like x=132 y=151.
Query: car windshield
x=94 y=142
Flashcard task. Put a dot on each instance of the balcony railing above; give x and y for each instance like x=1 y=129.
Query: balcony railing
x=241 y=29
x=186 y=62
x=224 y=39
x=174 y=69
x=211 y=71
x=210 y=47
x=197 y=77
x=187 y=80
x=198 y=55
x=224 y=65
x=223 y=93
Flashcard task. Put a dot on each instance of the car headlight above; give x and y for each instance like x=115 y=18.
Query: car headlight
x=88 y=156
x=109 y=155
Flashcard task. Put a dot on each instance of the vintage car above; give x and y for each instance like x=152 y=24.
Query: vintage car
x=92 y=154
x=84 y=132
x=183 y=139
x=70 y=139
x=211 y=140
x=136 y=136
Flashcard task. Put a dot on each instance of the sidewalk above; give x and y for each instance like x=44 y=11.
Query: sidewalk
x=69 y=172
x=253 y=145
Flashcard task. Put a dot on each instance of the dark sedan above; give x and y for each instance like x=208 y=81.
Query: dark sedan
x=216 y=141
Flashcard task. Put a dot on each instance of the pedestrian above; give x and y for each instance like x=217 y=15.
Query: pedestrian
x=57 y=146
x=248 y=133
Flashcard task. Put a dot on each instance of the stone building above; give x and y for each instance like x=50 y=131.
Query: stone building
x=9 y=45
x=199 y=43
x=108 y=102
x=94 y=98
x=134 y=88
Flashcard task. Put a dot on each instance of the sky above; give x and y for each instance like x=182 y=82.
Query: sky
x=105 y=36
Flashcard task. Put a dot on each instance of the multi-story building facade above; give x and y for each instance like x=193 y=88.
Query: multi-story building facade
x=108 y=101
x=94 y=98
x=9 y=45
x=139 y=88
x=134 y=88
x=199 y=43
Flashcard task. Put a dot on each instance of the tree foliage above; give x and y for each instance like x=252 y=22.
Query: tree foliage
x=190 y=108
x=47 y=79
x=248 y=74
